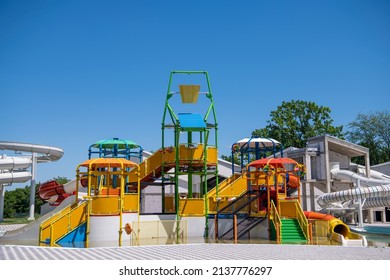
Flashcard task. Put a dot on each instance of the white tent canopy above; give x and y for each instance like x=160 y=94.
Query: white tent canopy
x=261 y=142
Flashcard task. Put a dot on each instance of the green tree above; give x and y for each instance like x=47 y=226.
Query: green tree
x=61 y=180
x=293 y=122
x=17 y=201
x=372 y=131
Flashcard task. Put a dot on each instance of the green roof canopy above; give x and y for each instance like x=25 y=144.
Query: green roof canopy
x=111 y=143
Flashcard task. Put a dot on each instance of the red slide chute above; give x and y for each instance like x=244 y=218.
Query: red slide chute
x=52 y=192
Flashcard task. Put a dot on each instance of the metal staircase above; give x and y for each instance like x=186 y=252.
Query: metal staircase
x=244 y=208
x=243 y=228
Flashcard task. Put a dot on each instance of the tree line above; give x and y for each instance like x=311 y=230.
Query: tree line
x=17 y=201
x=293 y=122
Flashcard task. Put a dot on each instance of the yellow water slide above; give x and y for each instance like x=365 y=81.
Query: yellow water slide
x=338 y=230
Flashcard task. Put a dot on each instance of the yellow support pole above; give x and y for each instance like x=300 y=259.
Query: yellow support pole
x=121 y=194
x=138 y=202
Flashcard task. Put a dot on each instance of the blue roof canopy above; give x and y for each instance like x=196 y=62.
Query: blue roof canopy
x=191 y=121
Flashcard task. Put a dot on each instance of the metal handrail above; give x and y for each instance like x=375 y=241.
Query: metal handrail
x=275 y=218
x=65 y=213
x=302 y=220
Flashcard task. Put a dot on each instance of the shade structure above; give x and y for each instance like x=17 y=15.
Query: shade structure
x=108 y=162
x=276 y=162
x=257 y=141
x=115 y=142
x=190 y=121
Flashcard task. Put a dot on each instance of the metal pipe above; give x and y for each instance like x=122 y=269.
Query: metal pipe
x=34 y=159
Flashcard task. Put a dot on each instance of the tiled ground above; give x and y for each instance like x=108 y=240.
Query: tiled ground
x=197 y=252
x=10 y=227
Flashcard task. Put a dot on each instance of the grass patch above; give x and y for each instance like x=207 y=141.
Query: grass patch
x=17 y=220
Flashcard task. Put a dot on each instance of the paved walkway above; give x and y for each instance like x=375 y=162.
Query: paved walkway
x=197 y=252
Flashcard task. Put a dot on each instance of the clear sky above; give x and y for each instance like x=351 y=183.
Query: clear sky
x=75 y=72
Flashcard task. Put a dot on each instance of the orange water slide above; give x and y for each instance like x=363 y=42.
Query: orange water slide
x=293 y=181
x=335 y=224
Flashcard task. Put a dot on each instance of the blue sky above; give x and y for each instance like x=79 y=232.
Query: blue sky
x=75 y=72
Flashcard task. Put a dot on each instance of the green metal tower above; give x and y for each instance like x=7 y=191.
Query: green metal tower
x=188 y=127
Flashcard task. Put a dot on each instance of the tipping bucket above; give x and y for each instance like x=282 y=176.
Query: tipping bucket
x=189 y=93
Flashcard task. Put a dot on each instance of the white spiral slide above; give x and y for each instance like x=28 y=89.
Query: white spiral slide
x=16 y=169
x=374 y=191
x=13 y=169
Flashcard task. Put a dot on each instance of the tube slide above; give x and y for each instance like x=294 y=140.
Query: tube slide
x=12 y=170
x=14 y=177
x=339 y=231
x=54 y=193
x=376 y=192
x=292 y=180
x=45 y=153
x=335 y=224
x=373 y=173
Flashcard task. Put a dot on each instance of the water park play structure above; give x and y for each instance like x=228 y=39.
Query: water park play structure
x=109 y=201
x=20 y=169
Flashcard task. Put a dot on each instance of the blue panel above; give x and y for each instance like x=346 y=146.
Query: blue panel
x=75 y=238
x=191 y=121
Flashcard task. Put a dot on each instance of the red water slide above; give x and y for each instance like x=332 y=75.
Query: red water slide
x=53 y=192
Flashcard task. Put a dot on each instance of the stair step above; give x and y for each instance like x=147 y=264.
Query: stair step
x=293 y=239
x=294 y=242
x=285 y=221
x=291 y=232
x=297 y=229
x=290 y=228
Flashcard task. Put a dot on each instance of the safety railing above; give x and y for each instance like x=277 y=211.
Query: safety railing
x=220 y=202
x=260 y=179
x=276 y=221
x=303 y=222
x=320 y=232
x=151 y=164
x=167 y=157
x=195 y=152
x=191 y=207
x=223 y=185
x=57 y=226
x=130 y=202
x=159 y=232
x=105 y=205
x=232 y=189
